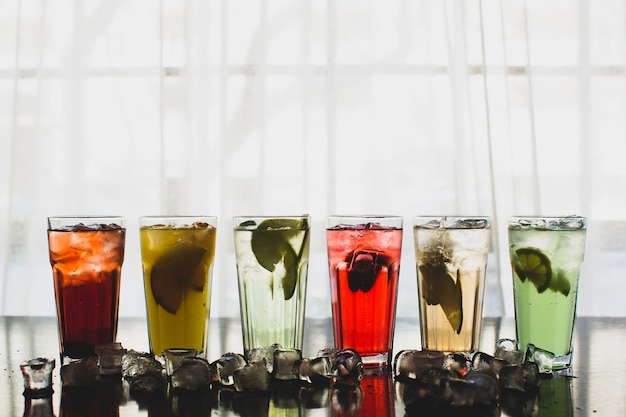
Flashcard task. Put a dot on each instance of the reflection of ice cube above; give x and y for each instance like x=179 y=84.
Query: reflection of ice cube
x=37 y=375
x=252 y=378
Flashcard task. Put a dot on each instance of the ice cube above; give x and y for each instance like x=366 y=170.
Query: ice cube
x=482 y=361
x=37 y=375
x=81 y=373
x=314 y=371
x=411 y=364
x=174 y=357
x=264 y=354
x=346 y=368
x=193 y=374
x=138 y=363
x=225 y=367
x=285 y=364
x=110 y=358
x=456 y=362
x=523 y=378
x=507 y=350
x=470 y=224
x=458 y=392
x=252 y=378
x=543 y=358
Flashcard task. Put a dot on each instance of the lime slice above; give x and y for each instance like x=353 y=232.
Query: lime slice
x=534 y=265
x=271 y=247
x=438 y=287
x=172 y=273
x=560 y=282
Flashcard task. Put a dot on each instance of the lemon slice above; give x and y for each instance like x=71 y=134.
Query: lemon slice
x=534 y=265
x=172 y=273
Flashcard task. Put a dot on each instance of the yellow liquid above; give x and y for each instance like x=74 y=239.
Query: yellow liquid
x=183 y=322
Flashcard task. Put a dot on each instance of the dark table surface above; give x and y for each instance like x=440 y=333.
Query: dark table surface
x=595 y=388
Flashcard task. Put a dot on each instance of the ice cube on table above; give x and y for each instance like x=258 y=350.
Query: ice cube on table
x=193 y=374
x=346 y=368
x=543 y=358
x=456 y=362
x=482 y=361
x=80 y=373
x=174 y=357
x=138 y=363
x=316 y=371
x=285 y=364
x=110 y=358
x=410 y=364
x=264 y=354
x=507 y=350
x=487 y=386
x=252 y=378
x=224 y=368
x=37 y=375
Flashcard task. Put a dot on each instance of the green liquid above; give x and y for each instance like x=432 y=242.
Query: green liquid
x=545 y=316
x=272 y=302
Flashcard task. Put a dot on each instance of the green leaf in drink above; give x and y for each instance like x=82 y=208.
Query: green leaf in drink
x=273 y=250
x=440 y=288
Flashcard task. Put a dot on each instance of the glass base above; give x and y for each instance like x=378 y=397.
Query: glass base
x=380 y=361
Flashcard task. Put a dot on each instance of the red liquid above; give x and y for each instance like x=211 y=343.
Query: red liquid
x=374 y=398
x=364 y=268
x=86 y=267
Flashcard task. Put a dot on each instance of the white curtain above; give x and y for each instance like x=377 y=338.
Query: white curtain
x=231 y=107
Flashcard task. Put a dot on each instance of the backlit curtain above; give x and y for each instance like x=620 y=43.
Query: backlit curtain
x=231 y=107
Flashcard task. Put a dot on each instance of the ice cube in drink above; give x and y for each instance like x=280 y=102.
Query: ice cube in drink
x=177 y=255
x=546 y=256
x=364 y=262
x=86 y=255
x=451 y=255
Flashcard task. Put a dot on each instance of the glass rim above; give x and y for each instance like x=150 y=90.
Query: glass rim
x=177 y=216
x=447 y=221
x=87 y=216
x=365 y=216
x=295 y=216
x=64 y=222
x=551 y=217
x=544 y=222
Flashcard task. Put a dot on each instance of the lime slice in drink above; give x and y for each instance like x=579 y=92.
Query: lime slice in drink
x=438 y=287
x=534 y=265
x=172 y=273
x=271 y=246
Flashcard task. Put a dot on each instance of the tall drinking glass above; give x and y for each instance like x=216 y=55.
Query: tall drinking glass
x=451 y=257
x=546 y=257
x=86 y=254
x=364 y=261
x=177 y=254
x=272 y=255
